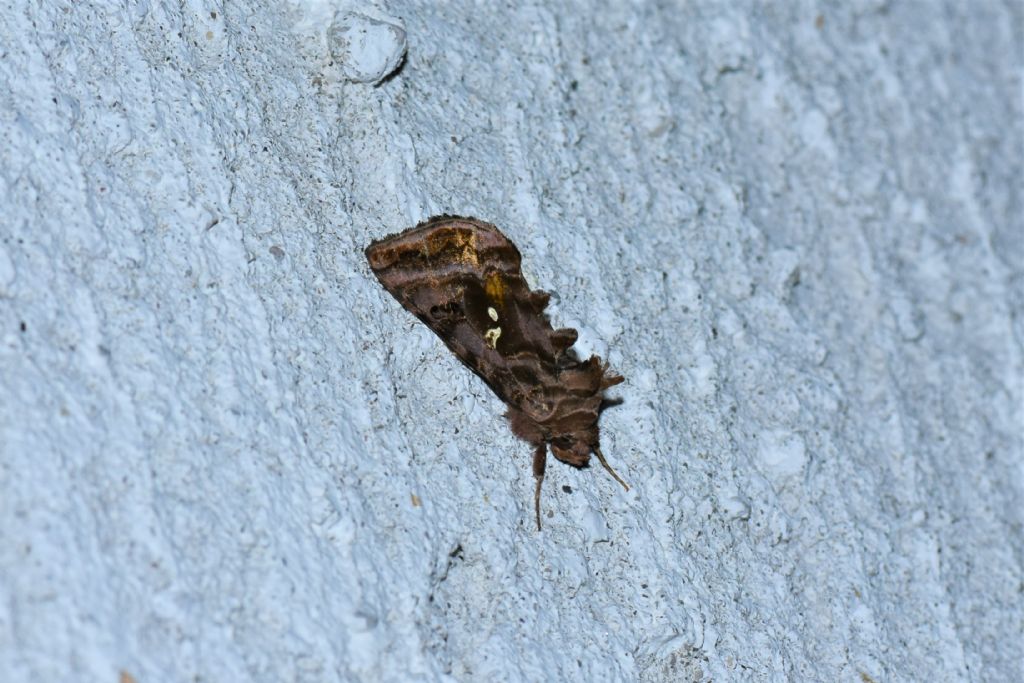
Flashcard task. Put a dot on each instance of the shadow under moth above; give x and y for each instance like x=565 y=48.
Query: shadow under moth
x=462 y=278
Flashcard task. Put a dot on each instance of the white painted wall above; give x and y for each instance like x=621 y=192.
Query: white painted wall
x=795 y=228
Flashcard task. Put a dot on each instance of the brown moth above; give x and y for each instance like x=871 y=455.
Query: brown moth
x=462 y=278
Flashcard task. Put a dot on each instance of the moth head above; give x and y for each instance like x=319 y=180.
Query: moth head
x=573 y=449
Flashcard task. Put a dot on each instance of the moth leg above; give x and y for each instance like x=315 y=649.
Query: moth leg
x=540 y=461
x=600 y=456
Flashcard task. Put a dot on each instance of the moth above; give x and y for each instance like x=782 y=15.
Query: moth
x=462 y=278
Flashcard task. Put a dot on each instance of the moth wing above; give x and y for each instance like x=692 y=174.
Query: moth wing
x=462 y=278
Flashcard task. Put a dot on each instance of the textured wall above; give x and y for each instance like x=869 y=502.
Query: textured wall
x=226 y=454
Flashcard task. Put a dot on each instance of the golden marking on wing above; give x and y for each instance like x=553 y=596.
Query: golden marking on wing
x=467 y=243
x=452 y=246
x=494 y=287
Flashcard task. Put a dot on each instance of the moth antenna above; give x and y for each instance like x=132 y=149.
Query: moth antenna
x=540 y=461
x=536 y=501
x=600 y=456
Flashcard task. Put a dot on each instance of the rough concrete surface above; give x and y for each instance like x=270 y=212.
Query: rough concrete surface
x=227 y=454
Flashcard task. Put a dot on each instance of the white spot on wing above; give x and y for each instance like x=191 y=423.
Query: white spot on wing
x=493 y=313
x=491 y=337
